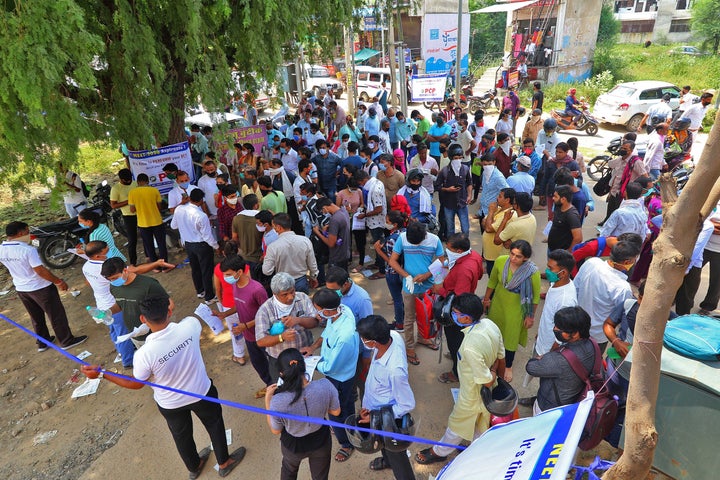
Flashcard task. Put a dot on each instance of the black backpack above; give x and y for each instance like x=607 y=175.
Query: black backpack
x=85 y=190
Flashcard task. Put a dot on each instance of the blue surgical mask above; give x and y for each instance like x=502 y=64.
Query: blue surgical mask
x=455 y=316
x=184 y=185
x=230 y=279
x=382 y=167
x=283 y=150
x=304 y=198
x=296 y=138
x=82 y=225
x=118 y=282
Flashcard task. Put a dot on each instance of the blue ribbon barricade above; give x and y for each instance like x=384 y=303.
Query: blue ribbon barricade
x=241 y=406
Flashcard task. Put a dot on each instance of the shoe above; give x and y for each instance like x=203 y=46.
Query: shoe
x=237 y=455
x=211 y=301
x=75 y=342
x=527 y=401
x=704 y=312
x=43 y=347
x=204 y=454
x=201 y=295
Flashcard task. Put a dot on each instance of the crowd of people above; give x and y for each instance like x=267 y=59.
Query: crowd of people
x=290 y=226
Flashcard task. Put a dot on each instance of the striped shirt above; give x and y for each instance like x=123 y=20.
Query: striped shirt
x=417 y=258
x=102 y=233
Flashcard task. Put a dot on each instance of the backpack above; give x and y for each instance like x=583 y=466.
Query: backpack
x=602 y=187
x=601 y=244
x=603 y=412
x=426 y=325
x=84 y=189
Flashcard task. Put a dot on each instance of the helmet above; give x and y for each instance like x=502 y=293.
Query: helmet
x=362 y=441
x=682 y=123
x=521 y=111
x=501 y=400
x=405 y=425
x=455 y=150
x=414 y=174
x=442 y=310
x=550 y=124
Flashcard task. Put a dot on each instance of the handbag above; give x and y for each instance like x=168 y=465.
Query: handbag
x=602 y=187
x=442 y=308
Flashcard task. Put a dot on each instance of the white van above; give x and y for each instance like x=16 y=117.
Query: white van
x=369 y=80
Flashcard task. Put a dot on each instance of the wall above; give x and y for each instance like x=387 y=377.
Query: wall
x=577 y=33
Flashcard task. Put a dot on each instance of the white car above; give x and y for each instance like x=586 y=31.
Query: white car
x=318 y=78
x=627 y=103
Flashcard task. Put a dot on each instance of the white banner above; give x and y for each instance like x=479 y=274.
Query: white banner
x=439 y=41
x=151 y=162
x=428 y=88
x=541 y=447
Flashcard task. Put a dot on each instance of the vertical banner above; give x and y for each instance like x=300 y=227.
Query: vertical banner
x=151 y=162
x=534 y=448
x=428 y=88
x=439 y=42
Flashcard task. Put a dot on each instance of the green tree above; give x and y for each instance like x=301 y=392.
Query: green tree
x=609 y=28
x=487 y=30
x=705 y=21
x=88 y=70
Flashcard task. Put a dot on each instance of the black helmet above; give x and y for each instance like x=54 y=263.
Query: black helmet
x=682 y=123
x=550 y=124
x=442 y=311
x=362 y=441
x=405 y=425
x=414 y=174
x=455 y=150
x=501 y=400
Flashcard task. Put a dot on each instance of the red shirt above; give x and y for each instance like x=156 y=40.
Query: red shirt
x=226 y=295
x=464 y=276
x=225 y=215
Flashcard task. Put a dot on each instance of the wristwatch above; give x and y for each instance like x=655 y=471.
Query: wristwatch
x=280 y=338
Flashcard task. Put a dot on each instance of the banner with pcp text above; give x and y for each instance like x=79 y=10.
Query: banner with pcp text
x=151 y=163
x=428 y=88
x=536 y=448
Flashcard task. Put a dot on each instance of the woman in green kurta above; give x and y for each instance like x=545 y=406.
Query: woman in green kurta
x=512 y=295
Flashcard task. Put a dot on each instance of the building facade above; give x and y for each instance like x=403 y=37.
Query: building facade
x=654 y=20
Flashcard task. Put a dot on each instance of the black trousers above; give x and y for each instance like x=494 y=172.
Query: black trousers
x=179 y=421
x=47 y=301
x=360 y=237
x=202 y=261
x=259 y=361
x=130 y=222
x=400 y=464
x=319 y=461
x=685 y=296
x=613 y=203
x=454 y=337
x=156 y=233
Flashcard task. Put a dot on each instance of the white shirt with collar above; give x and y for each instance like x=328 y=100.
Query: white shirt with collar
x=99 y=284
x=696 y=114
x=208 y=185
x=290 y=161
x=175 y=195
x=387 y=380
x=194 y=225
x=20 y=259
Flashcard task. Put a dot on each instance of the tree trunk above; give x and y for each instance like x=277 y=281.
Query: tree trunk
x=393 y=62
x=672 y=251
x=177 y=81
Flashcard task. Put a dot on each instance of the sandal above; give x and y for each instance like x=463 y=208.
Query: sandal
x=343 y=454
x=447 y=377
x=379 y=464
x=430 y=345
x=376 y=276
x=413 y=359
x=240 y=360
x=428 y=456
x=204 y=454
x=261 y=393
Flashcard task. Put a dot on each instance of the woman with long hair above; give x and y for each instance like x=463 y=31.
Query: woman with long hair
x=90 y=220
x=512 y=295
x=299 y=396
x=398 y=220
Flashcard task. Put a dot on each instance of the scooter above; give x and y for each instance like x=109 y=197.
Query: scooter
x=484 y=101
x=586 y=122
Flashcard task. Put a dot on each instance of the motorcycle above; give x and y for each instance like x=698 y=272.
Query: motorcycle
x=484 y=101
x=598 y=166
x=55 y=238
x=586 y=122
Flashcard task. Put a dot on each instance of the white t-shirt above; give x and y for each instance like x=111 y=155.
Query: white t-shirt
x=557 y=298
x=71 y=196
x=99 y=284
x=20 y=259
x=696 y=113
x=172 y=357
x=209 y=186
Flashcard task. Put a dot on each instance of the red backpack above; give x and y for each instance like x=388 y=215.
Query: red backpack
x=603 y=412
x=427 y=326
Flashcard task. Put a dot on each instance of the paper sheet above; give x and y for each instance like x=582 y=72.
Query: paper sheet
x=311 y=363
x=367 y=273
x=83 y=355
x=87 y=388
x=76 y=252
x=358 y=223
x=438 y=270
x=455 y=392
x=206 y=315
x=137 y=332
x=546 y=230
x=228 y=438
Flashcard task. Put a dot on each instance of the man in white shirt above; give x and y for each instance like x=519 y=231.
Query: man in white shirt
x=199 y=242
x=288 y=156
x=630 y=217
x=686 y=100
x=375 y=212
x=73 y=198
x=655 y=154
x=208 y=184
x=384 y=136
x=36 y=287
x=171 y=357
x=602 y=287
x=427 y=165
x=696 y=112
x=180 y=193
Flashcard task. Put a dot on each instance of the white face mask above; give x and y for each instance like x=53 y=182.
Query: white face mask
x=231 y=201
x=487 y=171
x=261 y=228
x=275 y=171
x=506 y=147
x=454 y=257
x=455 y=165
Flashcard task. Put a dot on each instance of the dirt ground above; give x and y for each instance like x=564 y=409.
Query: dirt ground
x=118 y=433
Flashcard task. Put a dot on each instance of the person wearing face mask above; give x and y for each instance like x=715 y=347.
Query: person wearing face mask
x=245 y=232
x=228 y=211
x=404 y=130
x=455 y=186
x=119 y=199
x=504 y=123
x=481 y=360
x=336 y=234
x=327 y=165
x=338 y=358
x=438 y=131
x=341 y=146
x=559 y=385
x=499 y=211
x=528 y=150
x=130 y=289
x=180 y=193
x=562 y=159
x=391 y=178
x=372 y=124
x=427 y=165
x=313 y=136
x=492 y=182
x=263 y=224
x=602 y=286
x=418 y=198
x=208 y=184
x=247 y=295
x=503 y=154
x=90 y=221
x=626 y=168
x=384 y=136
x=36 y=287
x=351 y=199
x=465 y=138
x=630 y=217
x=352 y=130
x=533 y=125
x=288 y=156
x=466 y=269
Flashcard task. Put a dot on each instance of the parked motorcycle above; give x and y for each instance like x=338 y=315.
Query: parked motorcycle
x=55 y=238
x=598 y=166
x=484 y=101
x=586 y=122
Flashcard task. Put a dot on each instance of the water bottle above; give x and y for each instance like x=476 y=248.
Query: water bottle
x=100 y=316
x=237 y=337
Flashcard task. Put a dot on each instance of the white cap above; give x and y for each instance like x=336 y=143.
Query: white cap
x=524 y=161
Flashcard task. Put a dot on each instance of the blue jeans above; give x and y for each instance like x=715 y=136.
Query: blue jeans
x=126 y=349
x=395 y=284
x=302 y=284
x=347 y=407
x=654 y=173
x=462 y=214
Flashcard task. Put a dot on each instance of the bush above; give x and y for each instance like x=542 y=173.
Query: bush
x=709 y=119
x=606 y=59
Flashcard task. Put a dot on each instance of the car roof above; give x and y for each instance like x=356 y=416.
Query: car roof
x=647 y=84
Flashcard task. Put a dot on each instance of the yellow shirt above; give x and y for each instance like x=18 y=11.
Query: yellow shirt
x=119 y=193
x=145 y=200
x=520 y=228
x=490 y=250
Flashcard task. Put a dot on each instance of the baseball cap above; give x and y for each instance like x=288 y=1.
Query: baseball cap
x=524 y=161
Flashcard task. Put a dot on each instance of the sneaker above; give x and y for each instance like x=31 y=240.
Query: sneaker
x=211 y=301
x=200 y=295
x=75 y=341
x=43 y=347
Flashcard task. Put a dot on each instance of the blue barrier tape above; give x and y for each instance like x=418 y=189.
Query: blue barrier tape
x=241 y=406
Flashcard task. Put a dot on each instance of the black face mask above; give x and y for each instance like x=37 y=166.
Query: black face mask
x=414 y=187
x=559 y=336
x=265 y=192
x=622 y=152
x=443 y=150
x=212 y=175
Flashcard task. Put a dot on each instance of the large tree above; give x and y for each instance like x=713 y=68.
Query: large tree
x=85 y=70
x=705 y=21
x=682 y=220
